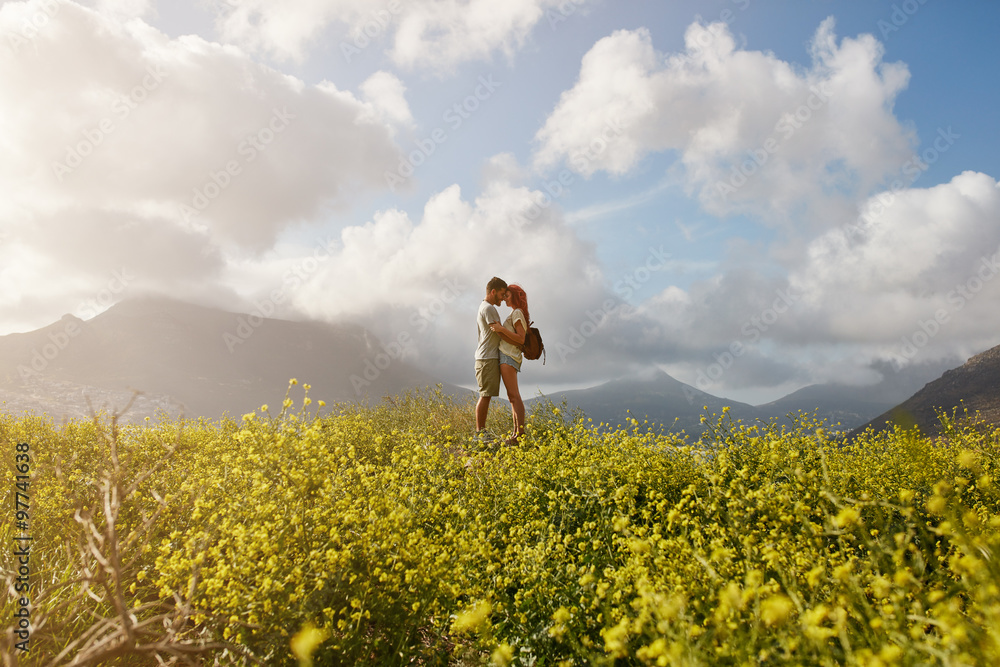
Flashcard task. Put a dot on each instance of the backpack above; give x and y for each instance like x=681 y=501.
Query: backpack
x=533 y=347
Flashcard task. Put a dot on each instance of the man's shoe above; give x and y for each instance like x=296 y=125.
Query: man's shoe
x=481 y=441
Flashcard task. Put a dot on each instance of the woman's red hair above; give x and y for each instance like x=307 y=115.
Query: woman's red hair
x=518 y=299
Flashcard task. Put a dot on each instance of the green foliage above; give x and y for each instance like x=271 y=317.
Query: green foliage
x=380 y=535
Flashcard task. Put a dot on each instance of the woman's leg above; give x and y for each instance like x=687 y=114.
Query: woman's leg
x=509 y=376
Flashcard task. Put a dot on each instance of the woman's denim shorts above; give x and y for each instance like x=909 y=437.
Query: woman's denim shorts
x=504 y=359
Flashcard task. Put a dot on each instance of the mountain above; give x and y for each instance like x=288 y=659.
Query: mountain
x=851 y=405
x=972 y=386
x=193 y=360
x=661 y=399
x=655 y=396
x=197 y=361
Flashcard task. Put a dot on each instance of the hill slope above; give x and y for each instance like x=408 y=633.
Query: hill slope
x=973 y=386
x=664 y=400
x=191 y=359
x=852 y=406
x=654 y=396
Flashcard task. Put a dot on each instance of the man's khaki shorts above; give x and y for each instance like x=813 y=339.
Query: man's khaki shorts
x=488 y=376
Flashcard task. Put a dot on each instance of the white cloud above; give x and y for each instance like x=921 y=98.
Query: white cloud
x=284 y=29
x=402 y=261
x=914 y=279
x=930 y=252
x=821 y=136
x=387 y=95
x=432 y=34
x=125 y=8
x=425 y=279
x=440 y=35
x=140 y=147
x=129 y=117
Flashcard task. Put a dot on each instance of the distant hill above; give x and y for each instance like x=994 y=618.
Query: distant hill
x=655 y=396
x=974 y=386
x=678 y=407
x=850 y=405
x=196 y=360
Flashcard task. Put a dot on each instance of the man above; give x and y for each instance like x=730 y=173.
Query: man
x=488 y=350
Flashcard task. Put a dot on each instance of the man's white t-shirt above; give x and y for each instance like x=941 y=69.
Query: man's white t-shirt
x=489 y=340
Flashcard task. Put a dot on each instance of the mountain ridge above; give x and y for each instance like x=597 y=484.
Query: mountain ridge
x=202 y=361
x=971 y=387
x=180 y=355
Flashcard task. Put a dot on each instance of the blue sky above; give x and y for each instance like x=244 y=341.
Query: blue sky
x=798 y=273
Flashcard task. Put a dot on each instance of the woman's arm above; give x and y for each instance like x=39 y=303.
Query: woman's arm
x=515 y=337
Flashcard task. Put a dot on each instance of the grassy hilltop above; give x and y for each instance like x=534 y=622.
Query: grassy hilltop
x=378 y=536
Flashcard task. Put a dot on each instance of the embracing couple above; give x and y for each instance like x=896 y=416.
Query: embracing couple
x=499 y=352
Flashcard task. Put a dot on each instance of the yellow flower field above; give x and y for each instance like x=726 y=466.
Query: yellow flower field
x=380 y=535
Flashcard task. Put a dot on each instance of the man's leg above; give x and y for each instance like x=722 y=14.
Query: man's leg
x=488 y=379
x=482 y=409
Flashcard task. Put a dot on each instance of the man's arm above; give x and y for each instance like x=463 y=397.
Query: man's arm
x=515 y=337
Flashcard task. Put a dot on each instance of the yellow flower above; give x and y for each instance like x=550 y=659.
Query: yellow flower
x=616 y=639
x=306 y=641
x=560 y=617
x=966 y=459
x=937 y=505
x=638 y=546
x=470 y=619
x=890 y=653
x=846 y=517
x=775 y=610
x=503 y=655
x=881 y=587
x=812 y=623
x=842 y=572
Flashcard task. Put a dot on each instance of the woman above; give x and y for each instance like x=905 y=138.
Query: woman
x=512 y=333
